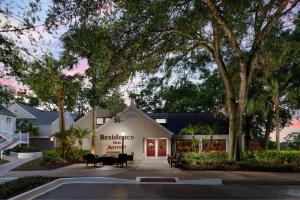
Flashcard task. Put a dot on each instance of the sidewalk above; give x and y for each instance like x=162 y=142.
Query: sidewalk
x=13 y=163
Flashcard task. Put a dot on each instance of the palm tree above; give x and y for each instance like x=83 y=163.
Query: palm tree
x=80 y=134
x=25 y=125
x=209 y=130
x=67 y=140
x=190 y=130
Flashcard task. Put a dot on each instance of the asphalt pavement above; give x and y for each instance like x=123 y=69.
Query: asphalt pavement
x=172 y=191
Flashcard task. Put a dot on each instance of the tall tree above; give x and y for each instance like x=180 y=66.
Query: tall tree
x=107 y=64
x=50 y=84
x=221 y=28
x=158 y=31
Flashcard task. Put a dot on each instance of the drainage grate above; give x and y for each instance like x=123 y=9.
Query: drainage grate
x=157 y=179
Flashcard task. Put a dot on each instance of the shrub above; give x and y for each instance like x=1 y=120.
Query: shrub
x=23 y=149
x=276 y=157
x=15 y=187
x=74 y=155
x=51 y=157
x=204 y=158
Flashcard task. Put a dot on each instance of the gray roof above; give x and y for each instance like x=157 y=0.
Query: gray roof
x=4 y=111
x=41 y=117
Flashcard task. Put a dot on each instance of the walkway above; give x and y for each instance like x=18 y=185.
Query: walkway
x=151 y=168
x=13 y=163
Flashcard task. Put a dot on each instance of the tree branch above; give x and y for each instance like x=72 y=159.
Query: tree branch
x=261 y=37
x=216 y=13
x=222 y=68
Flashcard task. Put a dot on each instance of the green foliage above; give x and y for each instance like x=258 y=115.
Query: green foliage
x=80 y=134
x=159 y=95
x=24 y=125
x=293 y=140
x=68 y=139
x=190 y=130
x=204 y=158
x=51 y=157
x=252 y=161
x=274 y=157
x=20 y=185
x=23 y=149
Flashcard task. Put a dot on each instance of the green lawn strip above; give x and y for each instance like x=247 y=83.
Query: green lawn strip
x=3 y=161
x=20 y=185
x=37 y=164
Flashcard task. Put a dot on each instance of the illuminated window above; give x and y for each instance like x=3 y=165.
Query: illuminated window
x=107 y=119
x=100 y=121
x=161 y=121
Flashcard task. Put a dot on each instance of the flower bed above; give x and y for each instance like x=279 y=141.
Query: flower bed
x=252 y=161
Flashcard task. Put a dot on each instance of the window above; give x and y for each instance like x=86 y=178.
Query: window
x=214 y=145
x=8 y=123
x=107 y=119
x=186 y=145
x=100 y=120
x=161 y=121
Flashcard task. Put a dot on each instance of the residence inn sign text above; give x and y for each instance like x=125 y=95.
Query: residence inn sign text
x=116 y=141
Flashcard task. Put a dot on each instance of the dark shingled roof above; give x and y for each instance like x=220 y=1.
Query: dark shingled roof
x=41 y=117
x=5 y=111
x=178 y=121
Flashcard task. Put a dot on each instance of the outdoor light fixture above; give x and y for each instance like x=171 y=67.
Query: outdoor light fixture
x=122 y=134
x=52 y=139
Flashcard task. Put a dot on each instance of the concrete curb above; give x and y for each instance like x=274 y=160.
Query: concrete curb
x=261 y=182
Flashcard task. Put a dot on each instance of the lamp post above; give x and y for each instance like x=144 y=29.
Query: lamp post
x=122 y=134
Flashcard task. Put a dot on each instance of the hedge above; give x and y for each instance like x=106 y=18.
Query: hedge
x=20 y=185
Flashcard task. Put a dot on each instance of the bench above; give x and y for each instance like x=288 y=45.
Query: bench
x=174 y=159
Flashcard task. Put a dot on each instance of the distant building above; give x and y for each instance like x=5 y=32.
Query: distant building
x=47 y=123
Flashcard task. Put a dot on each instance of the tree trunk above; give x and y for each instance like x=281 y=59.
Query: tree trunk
x=61 y=115
x=248 y=128
x=210 y=142
x=61 y=112
x=277 y=123
x=93 y=149
x=268 y=130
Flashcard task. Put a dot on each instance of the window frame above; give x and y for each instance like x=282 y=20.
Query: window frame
x=98 y=118
x=159 y=120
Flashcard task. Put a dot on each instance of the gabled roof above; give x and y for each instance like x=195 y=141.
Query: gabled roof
x=4 y=111
x=41 y=117
x=178 y=121
x=100 y=112
x=140 y=112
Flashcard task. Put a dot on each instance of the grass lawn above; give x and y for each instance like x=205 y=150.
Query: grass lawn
x=36 y=164
x=20 y=185
x=3 y=161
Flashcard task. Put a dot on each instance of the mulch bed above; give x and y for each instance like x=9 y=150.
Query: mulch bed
x=35 y=165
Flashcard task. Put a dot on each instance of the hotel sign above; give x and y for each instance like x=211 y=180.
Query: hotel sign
x=116 y=137
x=116 y=141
